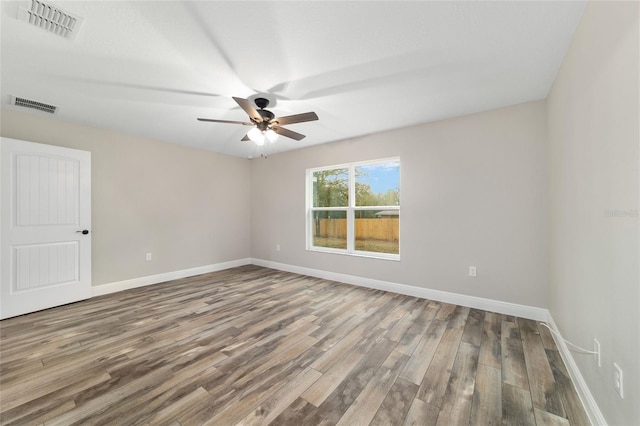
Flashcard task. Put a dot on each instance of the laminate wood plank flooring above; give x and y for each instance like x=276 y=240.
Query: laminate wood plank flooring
x=256 y=346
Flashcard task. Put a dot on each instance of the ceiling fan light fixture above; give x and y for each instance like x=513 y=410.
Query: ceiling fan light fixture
x=271 y=135
x=257 y=136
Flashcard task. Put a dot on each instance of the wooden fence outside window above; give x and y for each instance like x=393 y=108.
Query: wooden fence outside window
x=386 y=228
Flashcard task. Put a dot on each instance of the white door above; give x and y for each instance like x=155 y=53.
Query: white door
x=45 y=253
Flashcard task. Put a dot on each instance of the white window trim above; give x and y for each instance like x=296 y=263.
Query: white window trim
x=350 y=210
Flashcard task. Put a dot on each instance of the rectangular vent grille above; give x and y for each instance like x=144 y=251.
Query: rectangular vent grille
x=50 y=18
x=29 y=103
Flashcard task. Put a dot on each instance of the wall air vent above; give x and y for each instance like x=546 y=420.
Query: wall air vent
x=30 y=103
x=50 y=18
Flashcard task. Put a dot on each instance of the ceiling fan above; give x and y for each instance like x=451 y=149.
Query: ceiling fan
x=266 y=124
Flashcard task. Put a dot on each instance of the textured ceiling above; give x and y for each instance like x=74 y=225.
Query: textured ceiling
x=150 y=68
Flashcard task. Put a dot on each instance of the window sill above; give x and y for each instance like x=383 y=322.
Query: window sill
x=368 y=254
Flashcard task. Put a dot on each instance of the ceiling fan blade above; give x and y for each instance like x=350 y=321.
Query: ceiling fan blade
x=245 y=123
x=288 y=133
x=296 y=118
x=249 y=109
x=245 y=138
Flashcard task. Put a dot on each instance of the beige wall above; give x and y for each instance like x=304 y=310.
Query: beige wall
x=473 y=190
x=593 y=131
x=187 y=207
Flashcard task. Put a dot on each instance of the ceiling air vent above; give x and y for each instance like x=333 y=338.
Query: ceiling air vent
x=50 y=18
x=30 y=103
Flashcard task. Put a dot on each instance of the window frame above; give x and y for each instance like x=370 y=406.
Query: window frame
x=350 y=209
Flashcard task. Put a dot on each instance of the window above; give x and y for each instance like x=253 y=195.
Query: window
x=355 y=209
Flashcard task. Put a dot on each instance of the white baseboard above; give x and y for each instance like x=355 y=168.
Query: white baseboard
x=587 y=399
x=99 y=290
x=507 y=308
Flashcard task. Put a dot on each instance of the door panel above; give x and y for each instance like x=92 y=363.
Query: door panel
x=46 y=190
x=42 y=265
x=46 y=203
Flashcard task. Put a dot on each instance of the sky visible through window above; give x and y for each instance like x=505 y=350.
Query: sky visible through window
x=381 y=177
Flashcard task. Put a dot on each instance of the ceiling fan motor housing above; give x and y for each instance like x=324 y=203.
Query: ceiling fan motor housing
x=266 y=115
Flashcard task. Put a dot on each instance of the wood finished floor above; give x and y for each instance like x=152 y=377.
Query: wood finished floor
x=252 y=345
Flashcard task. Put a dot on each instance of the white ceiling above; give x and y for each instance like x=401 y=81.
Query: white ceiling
x=149 y=68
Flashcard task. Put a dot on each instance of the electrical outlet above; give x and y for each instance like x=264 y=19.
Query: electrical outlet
x=472 y=271
x=148 y=257
x=596 y=349
x=277 y=247
x=618 y=382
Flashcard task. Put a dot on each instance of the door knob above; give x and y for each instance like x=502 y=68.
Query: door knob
x=83 y=232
